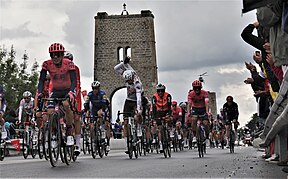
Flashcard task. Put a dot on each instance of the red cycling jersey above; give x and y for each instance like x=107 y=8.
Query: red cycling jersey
x=198 y=101
x=176 y=112
x=60 y=77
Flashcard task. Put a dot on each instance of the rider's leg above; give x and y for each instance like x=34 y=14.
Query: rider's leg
x=69 y=122
x=77 y=124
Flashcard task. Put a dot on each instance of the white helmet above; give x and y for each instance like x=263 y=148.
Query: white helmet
x=95 y=84
x=27 y=94
x=68 y=55
x=128 y=75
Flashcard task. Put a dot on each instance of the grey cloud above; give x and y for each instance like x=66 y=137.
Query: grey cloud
x=21 y=31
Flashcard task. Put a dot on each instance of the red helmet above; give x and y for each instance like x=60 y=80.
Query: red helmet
x=197 y=83
x=174 y=102
x=56 y=47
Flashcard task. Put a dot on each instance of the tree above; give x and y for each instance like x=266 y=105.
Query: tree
x=15 y=78
x=252 y=124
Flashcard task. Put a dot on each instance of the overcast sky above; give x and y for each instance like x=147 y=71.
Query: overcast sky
x=192 y=37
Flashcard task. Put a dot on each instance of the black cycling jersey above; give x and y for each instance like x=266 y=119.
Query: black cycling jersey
x=230 y=112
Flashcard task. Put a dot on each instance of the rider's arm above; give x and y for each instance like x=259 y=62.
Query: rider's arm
x=73 y=80
x=20 y=111
x=206 y=102
x=42 y=78
x=86 y=103
x=138 y=88
x=236 y=111
x=154 y=100
x=169 y=101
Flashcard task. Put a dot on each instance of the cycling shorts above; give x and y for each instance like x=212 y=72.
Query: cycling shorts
x=57 y=94
x=199 y=111
x=129 y=107
x=159 y=114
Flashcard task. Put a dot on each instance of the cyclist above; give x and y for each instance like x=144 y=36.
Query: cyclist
x=133 y=100
x=123 y=66
x=63 y=77
x=146 y=105
x=26 y=107
x=177 y=117
x=96 y=102
x=198 y=105
x=77 y=111
x=230 y=114
x=161 y=108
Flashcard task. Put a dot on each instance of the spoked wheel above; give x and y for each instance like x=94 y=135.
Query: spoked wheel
x=129 y=141
x=86 y=141
x=100 y=145
x=68 y=153
x=74 y=156
x=164 y=143
x=54 y=139
x=168 y=141
x=62 y=154
x=45 y=141
x=25 y=145
x=136 y=149
x=200 y=149
x=190 y=140
x=40 y=147
x=34 y=143
x=140 y=145
x=2 y=149
x=93 y=143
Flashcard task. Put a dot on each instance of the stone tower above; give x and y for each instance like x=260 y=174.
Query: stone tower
x=118 y=36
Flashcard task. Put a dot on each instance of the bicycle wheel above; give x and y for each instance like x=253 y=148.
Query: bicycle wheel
x=93 y=143
x=164 y=142
x=168 y=142
x=231 y=142
x=129 y=141
x=140 y=145
x=54 y=139
x=40 y=143
x=100 y=146
x=68 y=153
x=34 y=143
x=45 y=141
x=2 y=148
x=190 y=139
x=25 y=144
x=84 y=144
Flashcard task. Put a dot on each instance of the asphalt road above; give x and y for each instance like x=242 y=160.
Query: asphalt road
x=246 y=162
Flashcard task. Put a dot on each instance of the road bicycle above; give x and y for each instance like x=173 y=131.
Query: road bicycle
x=132 y=139
x=56 y=135
x=200 y=135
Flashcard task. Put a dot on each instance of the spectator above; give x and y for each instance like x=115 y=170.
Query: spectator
x=117 y=129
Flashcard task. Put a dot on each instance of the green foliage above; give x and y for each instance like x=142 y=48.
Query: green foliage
x=251 y=125
x=15 y=78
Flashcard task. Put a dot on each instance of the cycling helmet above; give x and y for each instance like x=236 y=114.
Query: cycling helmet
x=27 y=94
x=68 y=55
x=95 y=84
x=196 y=83
x=229 y=98
x=174 y=102
x=128 y=75
x=160 y=87
x=56 y=47
x=182 y=105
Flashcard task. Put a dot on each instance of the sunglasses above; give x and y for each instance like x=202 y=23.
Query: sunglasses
x=160 y=91
x=58 y=54
x=95 y=88
x=26 y=97
x=197 y=89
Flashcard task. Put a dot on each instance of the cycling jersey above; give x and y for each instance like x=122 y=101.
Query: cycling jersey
x=96 y=102
x=134 y=91
x=230 y=112
x=161 y=104
x=176 y=113
x=63 y=78
x=198 y=100
x=27 y=107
